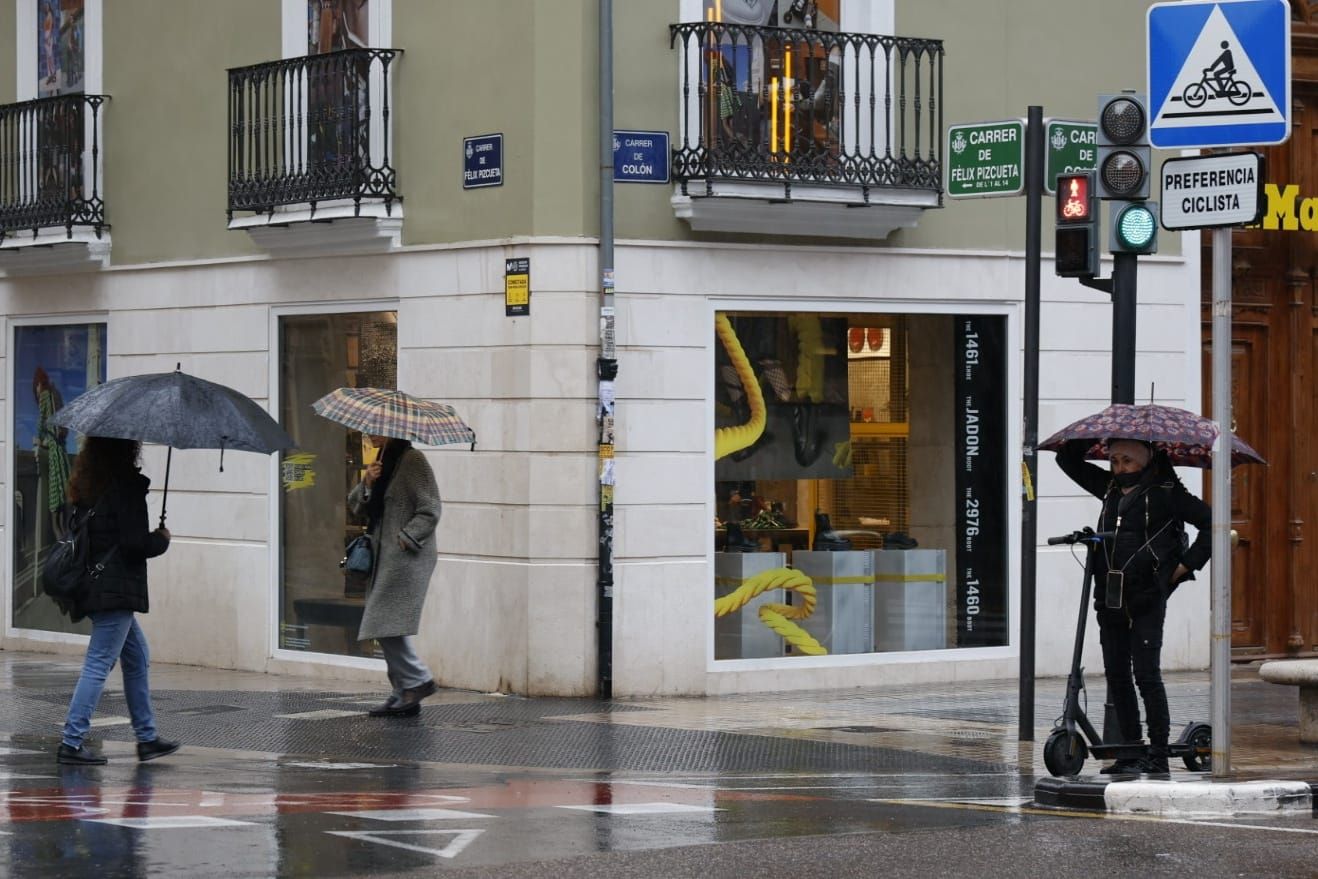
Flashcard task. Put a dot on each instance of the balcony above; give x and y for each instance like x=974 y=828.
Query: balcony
x=310 y=166
x=805 y=132
x=52 y=216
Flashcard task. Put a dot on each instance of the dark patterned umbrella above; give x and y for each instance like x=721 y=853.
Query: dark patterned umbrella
x=177 y=410
x=1187 y=438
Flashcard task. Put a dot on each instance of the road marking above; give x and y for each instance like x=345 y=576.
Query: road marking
x=340 y=766
x=1240 y=826
x=641 y=808
x=461 y=839
x=6 y=751
x=178 y=822
x=322 y=714
x=412 y=814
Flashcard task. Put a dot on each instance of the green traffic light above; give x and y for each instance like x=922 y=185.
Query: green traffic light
x=1136 y=227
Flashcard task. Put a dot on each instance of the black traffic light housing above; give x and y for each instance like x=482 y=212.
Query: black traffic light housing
x=1133 y=227
x=1077 y=221
x=1124 y=155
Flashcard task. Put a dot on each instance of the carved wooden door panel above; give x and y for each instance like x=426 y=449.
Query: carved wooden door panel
x=1251 y=580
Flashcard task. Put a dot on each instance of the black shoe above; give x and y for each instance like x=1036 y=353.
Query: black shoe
x=1156 y=762
x=899 y=540
x=388 y=709
x=737 y=541
x=1124 y=766
x=826 y=539
x=807 y=439
x=412 y=696
x=155 y=748
x=79 y=756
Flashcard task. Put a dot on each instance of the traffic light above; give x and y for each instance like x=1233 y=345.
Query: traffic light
x=1076 y=251
x=1123 y=147
x=1134 y=227
x=1125 y=164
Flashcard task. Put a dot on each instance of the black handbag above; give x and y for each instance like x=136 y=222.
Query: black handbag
x=359 y=557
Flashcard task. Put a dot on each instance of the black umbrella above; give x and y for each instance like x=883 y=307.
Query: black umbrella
x=177 y=410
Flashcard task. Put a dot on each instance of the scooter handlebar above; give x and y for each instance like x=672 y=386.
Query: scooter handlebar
x=1084 y=535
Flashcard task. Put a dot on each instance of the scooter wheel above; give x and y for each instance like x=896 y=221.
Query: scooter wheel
x=1064 y=753
x=1199 y=739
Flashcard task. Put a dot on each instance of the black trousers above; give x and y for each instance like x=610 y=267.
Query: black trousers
x=1132 y=657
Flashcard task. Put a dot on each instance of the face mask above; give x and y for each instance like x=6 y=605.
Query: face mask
x=1128 y=480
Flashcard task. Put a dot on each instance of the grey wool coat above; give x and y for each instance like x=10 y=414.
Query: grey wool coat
x=401 y=576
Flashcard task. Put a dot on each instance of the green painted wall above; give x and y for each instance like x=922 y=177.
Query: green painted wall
x=524 y=68
x=165 y=127
x=1005 y=55
x=8 y=40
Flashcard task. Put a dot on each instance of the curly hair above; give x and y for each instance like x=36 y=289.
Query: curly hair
x=101 y=461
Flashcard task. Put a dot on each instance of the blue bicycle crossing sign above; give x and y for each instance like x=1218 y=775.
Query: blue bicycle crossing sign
x=1219 y=73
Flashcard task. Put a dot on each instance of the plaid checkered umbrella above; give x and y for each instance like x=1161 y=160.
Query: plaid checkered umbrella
x=1185 y=437
x=385 y=412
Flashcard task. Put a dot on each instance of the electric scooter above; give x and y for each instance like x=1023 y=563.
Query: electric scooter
x=1073 y=737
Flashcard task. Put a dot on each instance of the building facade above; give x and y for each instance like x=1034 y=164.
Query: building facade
x=814 y=479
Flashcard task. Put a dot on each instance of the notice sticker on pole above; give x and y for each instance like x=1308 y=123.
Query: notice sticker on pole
x=1206 y=192
x=517 y=287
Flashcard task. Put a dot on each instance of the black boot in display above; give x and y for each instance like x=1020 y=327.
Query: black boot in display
x=826 y=539
x=738 y=541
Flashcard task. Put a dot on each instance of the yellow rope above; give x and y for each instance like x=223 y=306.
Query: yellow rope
x=809 y=356
x=778 y=617
x=733 y=439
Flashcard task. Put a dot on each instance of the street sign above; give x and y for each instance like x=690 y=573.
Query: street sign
x=482 y=161
x=1071 y=150
x=1219 y=73
x=985 y=159
x=640 y=156
x=1208 y=191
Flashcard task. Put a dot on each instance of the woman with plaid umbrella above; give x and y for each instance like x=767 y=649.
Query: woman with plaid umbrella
x=400 y=500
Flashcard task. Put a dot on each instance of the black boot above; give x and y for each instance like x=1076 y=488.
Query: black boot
x=1124 y=766
x=1156 y=762
x=826 y=539
x=738 y=541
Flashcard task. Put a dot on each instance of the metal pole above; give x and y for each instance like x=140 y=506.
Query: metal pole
x=606 y=366
x=1029 y=521
x=1125 y=268
x=1220 y=657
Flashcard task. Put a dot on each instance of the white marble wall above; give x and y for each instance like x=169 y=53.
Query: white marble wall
x=513 y=600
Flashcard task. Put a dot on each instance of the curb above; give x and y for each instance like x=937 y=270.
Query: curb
x=1180 y=799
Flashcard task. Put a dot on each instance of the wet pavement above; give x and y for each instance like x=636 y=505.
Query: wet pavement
x=282 y=776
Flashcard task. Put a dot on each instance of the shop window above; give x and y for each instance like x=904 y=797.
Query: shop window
x=52 y=365
x=860 y=480
x=320 y=604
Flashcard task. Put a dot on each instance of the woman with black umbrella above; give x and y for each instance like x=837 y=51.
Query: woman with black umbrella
x=1146 y=506
x=107 y=485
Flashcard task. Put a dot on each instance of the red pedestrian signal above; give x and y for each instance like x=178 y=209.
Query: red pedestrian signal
x=1073 y=203
x=1076 y=251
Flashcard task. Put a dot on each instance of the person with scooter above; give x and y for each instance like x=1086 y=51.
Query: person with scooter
x=1145 y=506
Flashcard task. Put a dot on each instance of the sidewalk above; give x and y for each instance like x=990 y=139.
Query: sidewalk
x=945 y=730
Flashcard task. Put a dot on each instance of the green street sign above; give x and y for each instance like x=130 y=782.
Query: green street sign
x=1071 y=150
x=985 y=158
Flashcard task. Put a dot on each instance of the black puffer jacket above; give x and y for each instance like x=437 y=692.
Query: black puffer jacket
x=121 y=521
x=1147 y=522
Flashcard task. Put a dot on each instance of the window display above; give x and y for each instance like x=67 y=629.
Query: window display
x=321 y=604
x=861 y=483
x=52 y=366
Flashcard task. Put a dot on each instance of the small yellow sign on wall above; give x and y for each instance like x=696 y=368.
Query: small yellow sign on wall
x=517 y=287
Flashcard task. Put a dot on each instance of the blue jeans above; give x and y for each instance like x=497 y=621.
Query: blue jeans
x=116 y=637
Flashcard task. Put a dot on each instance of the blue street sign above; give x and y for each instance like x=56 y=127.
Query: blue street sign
x=640 y=156
x=482 y=161
x=1219 y=73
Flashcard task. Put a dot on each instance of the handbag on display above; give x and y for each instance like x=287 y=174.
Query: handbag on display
x=359 y=557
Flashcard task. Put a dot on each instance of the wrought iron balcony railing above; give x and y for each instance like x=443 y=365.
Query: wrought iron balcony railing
x=311 y=130
x=791 y=106
x=50 y=165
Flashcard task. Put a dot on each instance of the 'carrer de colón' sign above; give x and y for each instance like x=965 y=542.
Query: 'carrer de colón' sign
x=1207 y=191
